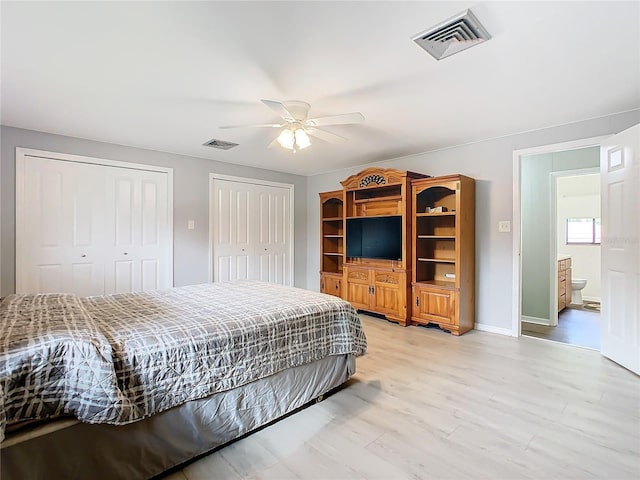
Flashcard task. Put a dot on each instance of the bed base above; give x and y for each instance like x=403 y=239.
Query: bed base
x=147 y=448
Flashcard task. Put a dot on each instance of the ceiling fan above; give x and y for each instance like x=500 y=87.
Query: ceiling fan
x=297 y=127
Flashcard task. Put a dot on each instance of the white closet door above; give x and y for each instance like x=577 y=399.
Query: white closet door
x=61 y=233
x=137 y=244
x=250 y=232
x=273 y=235
x=233 y=236
x=90 y=229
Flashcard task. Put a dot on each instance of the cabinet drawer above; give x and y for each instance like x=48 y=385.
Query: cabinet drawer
x=562 y=302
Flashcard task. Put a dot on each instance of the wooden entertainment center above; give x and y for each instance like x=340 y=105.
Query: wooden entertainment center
x=431 y=280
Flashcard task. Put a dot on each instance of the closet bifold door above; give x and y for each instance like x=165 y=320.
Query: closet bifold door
x=250 y=234
x=61 y=229
x=136 y=213
x=91 y=229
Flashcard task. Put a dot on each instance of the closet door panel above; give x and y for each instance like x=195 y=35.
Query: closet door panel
x=137 y=228
x=273 y=233
x=150 y=225
x=49 y=279
x=232 y=221
x=150 y=274
x=250 y=231
x=60 y=240
x=124 y=277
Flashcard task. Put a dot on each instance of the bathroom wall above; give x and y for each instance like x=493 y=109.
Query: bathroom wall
x=536 y=224
x=579 y=196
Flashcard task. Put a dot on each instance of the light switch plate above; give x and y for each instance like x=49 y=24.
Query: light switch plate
x=504 y=226
x=191 y=224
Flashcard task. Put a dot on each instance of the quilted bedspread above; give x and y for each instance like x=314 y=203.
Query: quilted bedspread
x=120 y=358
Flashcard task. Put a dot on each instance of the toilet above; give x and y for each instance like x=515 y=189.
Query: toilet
x=577 y=284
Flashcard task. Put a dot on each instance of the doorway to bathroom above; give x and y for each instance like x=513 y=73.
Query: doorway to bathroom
x=575 y=233
x=620 y=219
x=559 y=202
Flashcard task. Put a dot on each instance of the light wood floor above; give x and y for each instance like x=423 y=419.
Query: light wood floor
x=426 y=404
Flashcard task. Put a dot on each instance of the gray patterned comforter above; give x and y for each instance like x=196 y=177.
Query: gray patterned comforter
x=120 y=358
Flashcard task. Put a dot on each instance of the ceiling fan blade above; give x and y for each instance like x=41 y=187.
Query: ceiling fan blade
x=280 y=109
x=269 y=125
x=343 y=119
x=324 y=135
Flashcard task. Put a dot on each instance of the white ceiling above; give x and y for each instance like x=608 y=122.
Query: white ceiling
x=164 y=76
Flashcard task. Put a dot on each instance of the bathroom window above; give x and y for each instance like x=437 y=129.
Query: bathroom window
x=583 y=231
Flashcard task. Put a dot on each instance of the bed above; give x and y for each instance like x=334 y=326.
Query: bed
x=131 y=385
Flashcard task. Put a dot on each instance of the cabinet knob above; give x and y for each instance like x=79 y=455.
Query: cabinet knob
x=83 y=255
x=126 y=253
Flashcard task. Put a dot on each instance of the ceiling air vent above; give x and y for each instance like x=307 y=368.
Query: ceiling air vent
x=221 y=144
x=452 y=36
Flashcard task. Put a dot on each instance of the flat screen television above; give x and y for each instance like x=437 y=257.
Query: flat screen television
x=375 y=237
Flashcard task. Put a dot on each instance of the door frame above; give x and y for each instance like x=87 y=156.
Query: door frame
x=553 y=233
x=516 y=300
x=252 y=181
x=21 y=156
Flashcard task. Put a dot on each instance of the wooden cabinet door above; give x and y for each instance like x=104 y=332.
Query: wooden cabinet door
x=331 y=285
x=434 y=305
x=388 y=295
x=358 y=288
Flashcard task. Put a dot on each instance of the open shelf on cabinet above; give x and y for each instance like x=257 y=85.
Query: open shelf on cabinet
x=444 y=252
x=332 y=232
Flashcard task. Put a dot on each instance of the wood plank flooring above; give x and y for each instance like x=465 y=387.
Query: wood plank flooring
x=575 y=327
x=426 y=404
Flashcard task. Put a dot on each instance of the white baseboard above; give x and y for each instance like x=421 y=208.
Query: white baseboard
x=483 y=327
x=536 y=320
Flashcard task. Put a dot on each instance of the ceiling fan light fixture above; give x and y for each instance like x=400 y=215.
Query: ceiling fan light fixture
x=294 y=139
x=302 y=139
x=287 y=139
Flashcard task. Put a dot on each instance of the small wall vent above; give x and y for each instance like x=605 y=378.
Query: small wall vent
x=221 y=144
x=453 y=35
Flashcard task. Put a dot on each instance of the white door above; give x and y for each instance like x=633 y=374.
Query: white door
x=620 y=181
x=90 y=229
x=273 y=235
x=137 y=244
x=232 y=216
x=60 y=232
x=251 y=231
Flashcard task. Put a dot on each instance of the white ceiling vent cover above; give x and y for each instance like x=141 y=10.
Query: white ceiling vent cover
x=221 y=144
x=452 y=36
